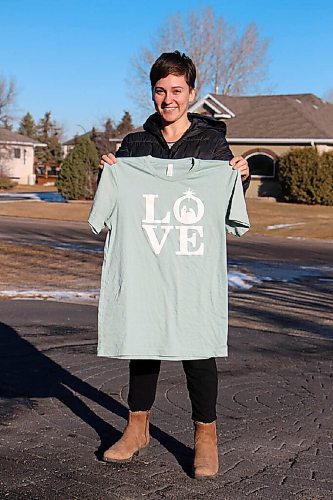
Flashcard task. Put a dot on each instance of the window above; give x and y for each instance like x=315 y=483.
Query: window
x=52 y=170
x=17 y=153
x=261 y=165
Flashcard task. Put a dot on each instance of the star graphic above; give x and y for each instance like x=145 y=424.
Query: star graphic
x=189 y=193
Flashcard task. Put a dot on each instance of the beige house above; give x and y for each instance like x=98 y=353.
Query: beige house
x=261 y=128
x=17 y=156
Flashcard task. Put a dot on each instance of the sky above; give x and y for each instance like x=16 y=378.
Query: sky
x=73 y=57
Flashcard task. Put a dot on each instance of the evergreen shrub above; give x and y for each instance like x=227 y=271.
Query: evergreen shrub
x=6 y=182
x=78 y=173
x=306 y=176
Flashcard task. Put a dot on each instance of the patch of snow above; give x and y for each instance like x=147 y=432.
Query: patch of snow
x=60 y=295
x=260 y=272
x=236 y=279
x=20 y=195
x=33 y=196
x=242 y=281
x=251 y=273
x=322 y=269
x=281 y=226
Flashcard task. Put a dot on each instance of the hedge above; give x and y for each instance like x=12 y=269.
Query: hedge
x=306 y=176
x=6 y=183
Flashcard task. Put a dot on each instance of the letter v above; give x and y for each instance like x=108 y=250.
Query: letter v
x=155 y=244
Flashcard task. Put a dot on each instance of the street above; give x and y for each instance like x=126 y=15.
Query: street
x=78 y=236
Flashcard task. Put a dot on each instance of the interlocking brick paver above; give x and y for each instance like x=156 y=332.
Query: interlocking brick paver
x=61 y=406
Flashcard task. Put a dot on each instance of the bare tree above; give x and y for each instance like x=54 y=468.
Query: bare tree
x=7 y=99
x=240 y=64
x=226 y=61
x=329 y=96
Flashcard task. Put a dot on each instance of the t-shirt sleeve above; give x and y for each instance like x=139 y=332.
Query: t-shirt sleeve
x=236 y=220
x=105 y=200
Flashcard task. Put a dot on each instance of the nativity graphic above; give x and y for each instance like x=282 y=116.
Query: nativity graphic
x=187 y=210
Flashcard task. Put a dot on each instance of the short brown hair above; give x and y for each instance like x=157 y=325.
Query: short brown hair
x=173 y=63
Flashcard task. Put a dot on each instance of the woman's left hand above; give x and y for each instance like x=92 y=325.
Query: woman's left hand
x=239 y=163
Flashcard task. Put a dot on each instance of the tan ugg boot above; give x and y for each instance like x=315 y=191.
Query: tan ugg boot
x=206 y=461
x=135 y=437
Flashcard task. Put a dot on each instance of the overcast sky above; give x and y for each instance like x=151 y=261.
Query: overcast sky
x=73 y=56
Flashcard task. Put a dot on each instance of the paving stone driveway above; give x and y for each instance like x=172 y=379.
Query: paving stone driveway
x=61 y=406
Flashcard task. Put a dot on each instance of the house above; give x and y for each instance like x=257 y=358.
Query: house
x=261 y=129
x=114 y=142
x=70 y=144
x=17 y=156
x=264 y=127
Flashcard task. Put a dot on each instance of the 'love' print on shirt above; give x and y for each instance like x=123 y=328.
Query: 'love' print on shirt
x=190 y=235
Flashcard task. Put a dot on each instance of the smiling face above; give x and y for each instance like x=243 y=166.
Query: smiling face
x=172 y=97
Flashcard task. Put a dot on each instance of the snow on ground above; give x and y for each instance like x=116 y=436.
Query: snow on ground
x=33 y=196
x=19 y=196
x=238 y=279
x=281 y=226
x=242 y=281
x=58 y=295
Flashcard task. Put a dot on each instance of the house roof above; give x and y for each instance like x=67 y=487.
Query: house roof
x=9 y=137
x=117 y=138
x=294 y=116
x=76 y=138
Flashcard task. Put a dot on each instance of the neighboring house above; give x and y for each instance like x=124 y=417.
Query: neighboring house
x=262 y=128
x=70 y=144
x=17 y=156
x=115 y=142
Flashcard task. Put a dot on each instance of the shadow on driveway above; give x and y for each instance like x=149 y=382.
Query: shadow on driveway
x=25 y=372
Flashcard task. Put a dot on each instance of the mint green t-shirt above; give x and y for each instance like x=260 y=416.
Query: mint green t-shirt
x=164 y=288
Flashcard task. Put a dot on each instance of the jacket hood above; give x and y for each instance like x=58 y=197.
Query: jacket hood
x=198 y=122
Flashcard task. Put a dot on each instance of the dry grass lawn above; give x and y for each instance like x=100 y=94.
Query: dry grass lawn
x=310 y=221
x=71 y=270
x=26 y=188
x=76 y=211
x=76 y=271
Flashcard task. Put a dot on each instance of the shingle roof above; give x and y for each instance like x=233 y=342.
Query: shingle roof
x=279 y=116
x=76 y=138
x=119 y=138
x=9 y=136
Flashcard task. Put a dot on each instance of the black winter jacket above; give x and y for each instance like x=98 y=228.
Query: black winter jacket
x=204 y=139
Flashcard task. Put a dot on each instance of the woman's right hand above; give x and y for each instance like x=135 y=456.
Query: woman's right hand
x=110 y=159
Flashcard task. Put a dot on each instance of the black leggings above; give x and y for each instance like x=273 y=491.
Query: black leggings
x=201 y=377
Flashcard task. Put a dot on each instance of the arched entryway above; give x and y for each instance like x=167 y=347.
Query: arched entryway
x=263 y=168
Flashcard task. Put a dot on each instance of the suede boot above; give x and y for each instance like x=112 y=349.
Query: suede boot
x=135 y=437
x=206 y=462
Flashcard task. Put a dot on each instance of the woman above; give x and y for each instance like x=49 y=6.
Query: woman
x=172 y=132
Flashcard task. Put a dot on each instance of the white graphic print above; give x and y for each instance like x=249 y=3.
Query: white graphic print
x=155 y=244
x=150 y=210
x=188 y=216
x=190 y=236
